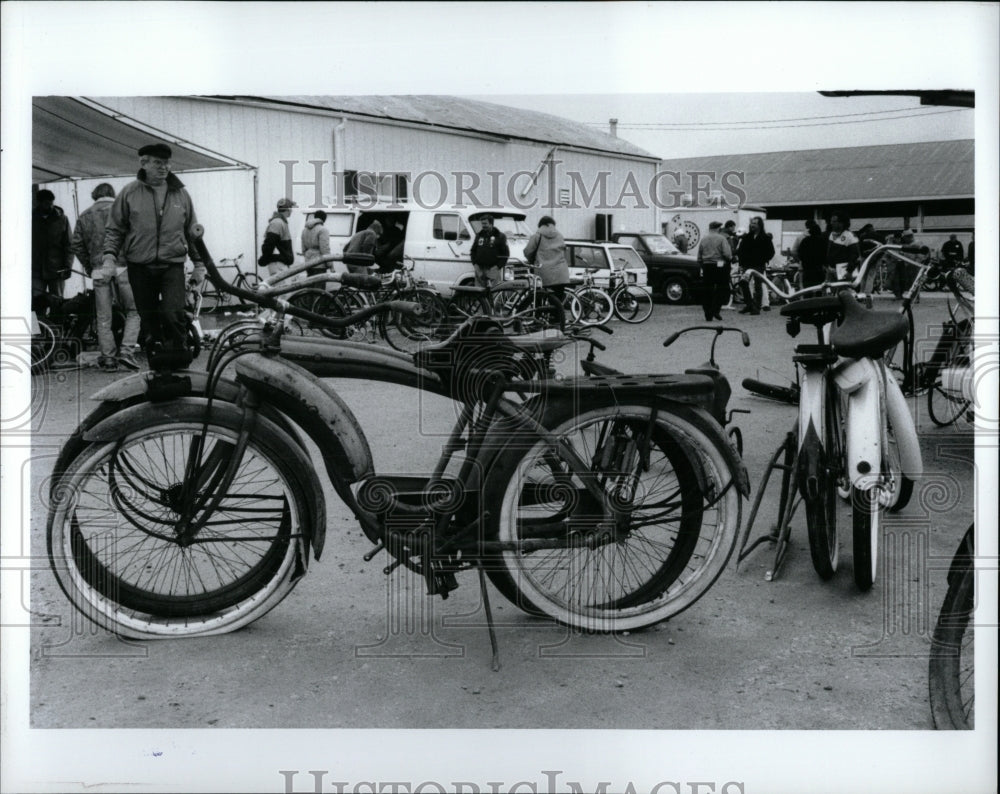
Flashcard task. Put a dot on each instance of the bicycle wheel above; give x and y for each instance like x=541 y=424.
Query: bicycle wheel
x=866 y=517
x=43 y=348
x=785 y=394
x=337 y=305
x=112 y=528
x=820 y=467
x=462 y=305
x=406 y=333
x=944 y=405
x=596 y=307
x=633 y=304
x=657 y=541
x=951 y=672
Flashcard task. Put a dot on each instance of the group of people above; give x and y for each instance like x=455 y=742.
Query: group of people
x=135 y=244
x=717 y=252
x=545 y=250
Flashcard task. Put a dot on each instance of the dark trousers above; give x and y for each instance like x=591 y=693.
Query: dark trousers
x=159 y=297
x=811 y=276
x=715 y=283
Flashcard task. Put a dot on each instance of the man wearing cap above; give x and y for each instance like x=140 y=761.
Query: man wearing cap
x=276 y=250
x=715 y=257
x=150 y=229
x=489 y=253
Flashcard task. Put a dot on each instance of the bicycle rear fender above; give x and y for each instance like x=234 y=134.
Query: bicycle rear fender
x=859 y=380
x=186 y=409
x=902 y=425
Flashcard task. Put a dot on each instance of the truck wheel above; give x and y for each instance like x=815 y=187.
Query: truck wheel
x=676 y=290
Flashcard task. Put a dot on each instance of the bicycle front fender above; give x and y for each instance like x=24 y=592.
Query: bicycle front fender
x=902 y=425
x=859 y=379
x=137 y=385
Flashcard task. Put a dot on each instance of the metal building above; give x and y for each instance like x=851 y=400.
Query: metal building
x=324 y=150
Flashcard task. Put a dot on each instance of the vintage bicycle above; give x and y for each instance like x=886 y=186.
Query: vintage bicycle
x=187 y=504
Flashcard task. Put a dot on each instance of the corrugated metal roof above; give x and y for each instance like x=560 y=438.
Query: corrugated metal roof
x=470 y=115
x=939 y=169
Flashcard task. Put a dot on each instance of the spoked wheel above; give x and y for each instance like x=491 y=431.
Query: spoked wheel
x=340 y=304
x=951 y=673
x=407 y=333
x=633 y=304
x=115 y=541
x=945 y=405
x=596 y=307
x=463 y=305
x=867 y=524
x=648 y=549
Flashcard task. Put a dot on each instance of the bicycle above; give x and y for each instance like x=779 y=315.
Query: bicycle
x=947 y=402
x=623 y=299
x=189 y=506
x=244 y=280
x=854 y=434
x=520 y=302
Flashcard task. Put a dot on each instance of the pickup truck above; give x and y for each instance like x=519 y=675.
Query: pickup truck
x=673 y=275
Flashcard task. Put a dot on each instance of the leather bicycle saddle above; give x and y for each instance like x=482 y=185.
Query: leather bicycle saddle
x=864 y=332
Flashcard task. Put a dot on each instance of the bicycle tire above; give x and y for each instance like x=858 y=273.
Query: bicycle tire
x=900 y=489
x=633 y=304
x=785 y=394
x=340 y=304
x=953 y=348
x=596 y=306
x=462 y=305
x=824 y=459
x=677 y=540
x=43 y=348
x=951 y=670
x=108 y=532
x=866 y=518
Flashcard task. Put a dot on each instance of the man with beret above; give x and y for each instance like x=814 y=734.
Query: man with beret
x=276 y=251
x=150 y=228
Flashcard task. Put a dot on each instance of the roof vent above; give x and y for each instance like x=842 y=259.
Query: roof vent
x=613 y=127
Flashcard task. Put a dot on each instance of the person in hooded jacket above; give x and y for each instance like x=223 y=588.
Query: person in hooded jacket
x=316 y=242
x=276 y=250
x=51 y=252
x=547 y=251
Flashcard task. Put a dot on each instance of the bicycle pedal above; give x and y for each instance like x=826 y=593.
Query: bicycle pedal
x=441 y=583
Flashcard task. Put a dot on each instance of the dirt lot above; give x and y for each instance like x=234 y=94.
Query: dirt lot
x=351 y=648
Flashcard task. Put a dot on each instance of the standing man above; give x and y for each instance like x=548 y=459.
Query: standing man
x=755 y=251
x=88 y=245
x=489 y=252
x=276 y=250
x=715 y=257
x=51 y=250
x=150 y=228
x=316 y=242
x=843 y=252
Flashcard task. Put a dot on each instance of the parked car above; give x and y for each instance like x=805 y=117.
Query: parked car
x=673 y=275
x=607 y=257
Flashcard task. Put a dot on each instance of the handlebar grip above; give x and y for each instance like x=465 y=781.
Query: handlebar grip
x=361 y=281
x=598 y=345
x=671 y=339
x=746 y=338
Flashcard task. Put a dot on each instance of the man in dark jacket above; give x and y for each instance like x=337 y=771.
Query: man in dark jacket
x=276 y=251
x=150 y=228
x=953 y=250
x=755 y=251
x=714 y=256
x=364 y=242
x=489 y=252
x=812 y=255
x=51 y=251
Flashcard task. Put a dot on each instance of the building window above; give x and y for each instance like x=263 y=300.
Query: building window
x=392 y=188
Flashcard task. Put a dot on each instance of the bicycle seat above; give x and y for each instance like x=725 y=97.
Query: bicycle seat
x=865 y=333
x=814 y=311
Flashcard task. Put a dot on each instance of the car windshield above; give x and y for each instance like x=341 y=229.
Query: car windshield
x=625 y=258
x=659 y=244
x=511 y=226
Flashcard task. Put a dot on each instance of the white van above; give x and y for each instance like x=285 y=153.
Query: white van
x=438 y=241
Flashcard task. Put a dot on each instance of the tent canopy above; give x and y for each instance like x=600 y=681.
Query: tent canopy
x=71 y=138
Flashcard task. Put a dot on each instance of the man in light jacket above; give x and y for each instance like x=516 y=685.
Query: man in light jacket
x=316 y=241
x=151 y=228
x=547 y=251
